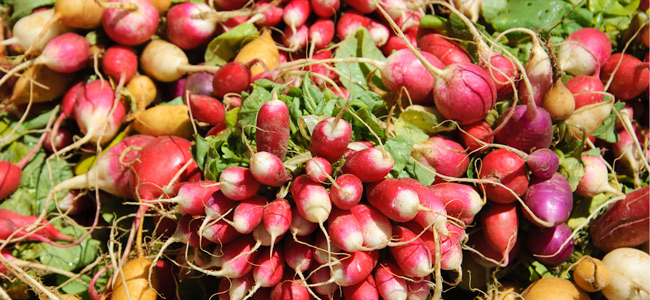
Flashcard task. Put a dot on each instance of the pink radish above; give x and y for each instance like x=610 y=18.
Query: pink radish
x=236 y=259
x=357 y=146
x=120 y=63
x=268 y=169
x=296 y=39
x=550 y=200
x=273 y=130
x=298 y=255
x=133 y=25
x=207 y=109
x=248 y=214
x=236 y=288
x=396 y=199
x=321 y=254
x=321 y=32
x=184 y=30
x=447 y=51
x=319 y=278
x=395 y=43
x=631 y=78
x=582 y=88
x=403 y=70
x=413 y=256
x=507 y=168
x=191 y=196
x=500 y=227
x=216 y=207
x=323 y=69
x=347 y=192
x=277 y=218
x=365 y=290
x=345 y=230
x=376 y=228
x=446 y=156
x=596 y=178
x=66 y=53
x=318 y=169
x=390 y=281
x=325 y=8
x=480 y=130
x=313 y=202
x=27 y=30
x=364 y=6
x=435 y=215
x=99 y=117
x=349 y=22
x=330 y=138
x=186 y=232
x=369 y=165
x=14 y=225
x=220 y=232
x=354 y=269
x=268 y=270
x=460 y=201
x=271 y=17
x=238 y=183
x=584 y=52
x=529 y=128
x=299 y=226
x=296 y=13
x=293 y=289
x=67 y=107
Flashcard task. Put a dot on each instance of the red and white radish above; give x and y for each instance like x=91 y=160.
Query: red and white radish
x=584 y=52
x=184 y=30
x=268 y=169
x=369 y=165
x=272 y=134
x=460 y=201
x=238 y=183
x=330 y=138
x=443 y=154
x=132 y=25
x=347 y=192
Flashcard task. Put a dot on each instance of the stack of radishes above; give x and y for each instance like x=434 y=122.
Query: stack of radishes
x=304 y=204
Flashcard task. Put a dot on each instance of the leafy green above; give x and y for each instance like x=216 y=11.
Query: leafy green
x=354 y=74
x=23 y=8
x=214 y=154
x=584 y=206
x=607 y=131
x=400 y=148
x=572 y=169
x=224 y=47
x=426 y=175
x=418 y=124
x=69 y=258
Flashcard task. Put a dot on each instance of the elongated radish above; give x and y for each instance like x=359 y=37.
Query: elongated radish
x=435 y=215
x=268 y=269
x=330 y=138
x=355 y=268
x=396 y=199
x=414 y=258
x=51 y=85
x=296 y=13
x=322 y=254
x=365 y=290
x=325 y=8
x=235 y=260
x=299 y=255
x=177 y=64
x=345 y=230
x=290 y=289
x=238 y=183
x=26 y=31
x=390 y=281
x=207 y=109
x=321 y=32
x=460 y=201
x=273 y=130
x=262 y=48
x=268 y=169
x=132 y=25
x=369 y=165
x=447 y=51
x=584 y=52
x=299 y=225
x=550 y=200
x=313 y=202
x=277 y=218
x=364 y=6
x=376 y=228
x=191 y=196
x=14 y=225
x=295 y=39
x=248 y=214
x=500 y=227
x=443 y=154
x=347 y=192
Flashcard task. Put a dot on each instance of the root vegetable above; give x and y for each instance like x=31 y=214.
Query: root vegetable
x=591 y=274
x=629 y=274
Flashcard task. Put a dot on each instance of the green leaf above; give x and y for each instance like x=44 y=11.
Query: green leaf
x=572 y=169
x=354 y=74
x=252 y=104
x=585 y=206
x=175 y=101
x=224 y=47
x=415 y=170
x=607 y=131
x=231 y=117
x=400 y=148
x=434 y=22
x=70 y=258
x=25 y=7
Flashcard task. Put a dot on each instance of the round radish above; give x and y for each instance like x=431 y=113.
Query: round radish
x=185 y=31
x=132 y=26
x=584 y=52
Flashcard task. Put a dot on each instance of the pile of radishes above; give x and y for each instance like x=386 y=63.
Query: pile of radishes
x=258 y=154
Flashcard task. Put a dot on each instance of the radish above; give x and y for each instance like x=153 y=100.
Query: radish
x=318 y=169
x=365 y=290
x=403 y=70
x=184 y=30
x=199 y=83
x=312 y=199
x=345 y=231
x=268 y=270
x=66 y=53
x=413 y=257
x=248 y=214
x=507 y=168
x=319 y=277
x=238 y=183
x=396 y=199
x=363 y=6
x=347 y=192
x=132 y=22
x=547 y=244
x=375 y=227
x=369 y=165
x=321 y=254
x=120 y=63
x=325 y=8
x=27 y=30
x=230 y=4
x=443 y=154
x=539 y=72
x=268 y=169
x=487 y=256
x=460 y=201
x=323 y=69
x=530 y=127
x=235 y=260
x=390 y=282
x=216 y=207
x=500 y=227
x=447 y=51
x=550 y=200
x=298 y=255
x=354 y=268
x=14 y=225
x=299 y=225
x=321 y=32
x=435 y=215
x=330 y=138
x=233 y=77
x=62 y=139
x=207 y=109
x=67 y=109
x=236 y=288
x=584 y=52
x=176 y=61
x=629 y=76
x=350 y=21
x=271 y=17
x=480 y=130
x=596 y=178
x=295 y=39
x=395 y=43
x=273 y=130
x=277 y=218
x=583 y=87
x=191 y=196
x=293 y=289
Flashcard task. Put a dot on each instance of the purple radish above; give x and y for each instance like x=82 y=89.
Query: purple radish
x=185 y=31
x=546 y=244
x=530 y=127
x=199 y=83
x=66 y=53
x=273 y=130
x=132 y=25
x=596 y=178
x=330 y=138
x=347 y=192
x=550 y=200
x=584 y=52
x=369 y=165
x=268 y=169
x=238 y=183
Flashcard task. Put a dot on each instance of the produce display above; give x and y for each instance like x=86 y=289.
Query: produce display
x=324 y=149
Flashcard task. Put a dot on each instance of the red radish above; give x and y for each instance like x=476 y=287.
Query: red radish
x=273 y=130
x=26 y=31
x=550 y=200
x=268 y=169
x=217 y=205
x=357 y=146
x=414 y=258
x=323 y=69
x=330 y=138
x=233 y=77
x=66 y=53
x=345 y=230
x=500 y=227
x=295 y=39
x=299 y=226
x=293 y=289
x=364 y=6
x=546 y=244
x=99 y=117
x=365 y=290
x=230 y=4
x=277 y=218
x=238 y=183
x=298 y=255
x=631 y=157
x=62 y=139
x=268 y=269
x=321 y=32
x=325 y=8
x=158 y=163
x=396 y=199
x=321 y=254
x=110 y=173
x=312 y=199
x=480 y=130
x=355 y=268
x=220 y=232
x=207 y=109
x=347 y=192
x=390 y=282
x=236 y=288
x=596 y=178
x=369 y=165
x=582 y=88
x=191 y=196
x=435 y=215
x=507 y=168
x=184 y=30
x=263 y=238
x=447 y=51
x=296 y=13
x=350 y=21
x=319 y=278
x=489 y=256
x=403 y=70
x=67 y=107
x=14 y=225
x=395 y=43
x=186 y=232
x=248 y=214
x=236 y=259
x=271 y=17
x=376 y=228
x=460 y=201
x=631 y=78
x=199 y=83
x=120 y=61
x=318 y=169
x=133 y=25
x=443 y=154
x=584 y=52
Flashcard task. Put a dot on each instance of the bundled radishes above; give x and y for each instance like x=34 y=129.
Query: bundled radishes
x=319 y=149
